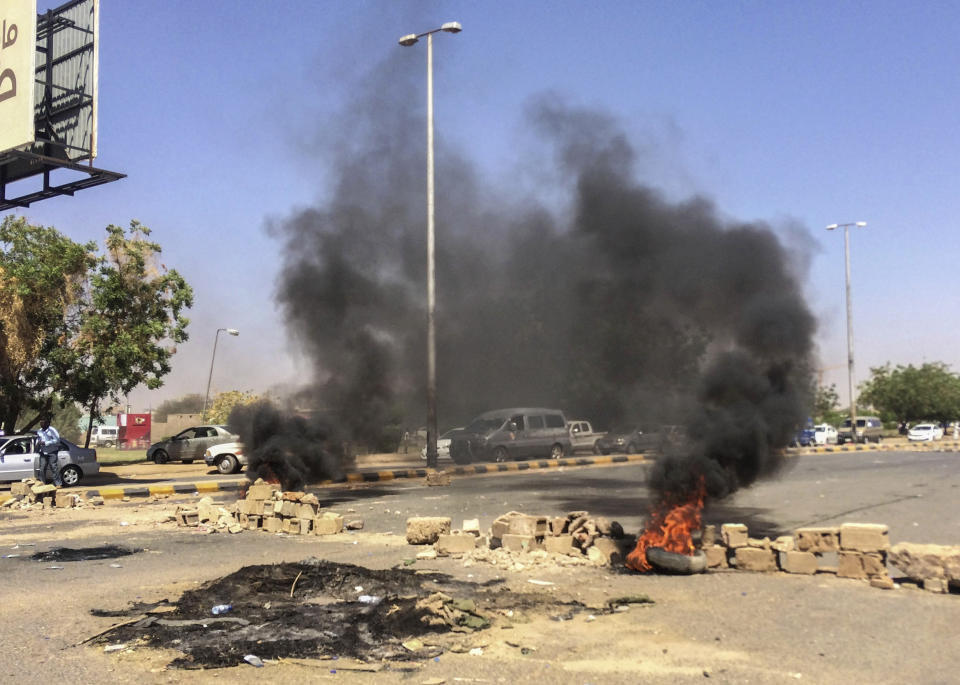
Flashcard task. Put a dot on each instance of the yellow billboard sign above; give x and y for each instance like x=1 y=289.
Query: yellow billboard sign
x=18 y=49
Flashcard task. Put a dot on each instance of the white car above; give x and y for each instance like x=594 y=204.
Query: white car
x=443 y=445
x=925 y=432
x=20 y=458
x=227 y=457
x=824 y=434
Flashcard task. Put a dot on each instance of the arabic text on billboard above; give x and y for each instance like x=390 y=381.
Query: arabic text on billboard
x=18 y=38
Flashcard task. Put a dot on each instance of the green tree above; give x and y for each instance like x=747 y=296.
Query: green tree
x=42 y=282
x=76 y=326
x=826 y=406
x=132 y=323
x=224 y=402
x=910 y=393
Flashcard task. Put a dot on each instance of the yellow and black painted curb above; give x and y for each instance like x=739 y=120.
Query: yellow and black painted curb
x=209 y=487
x=900 y=447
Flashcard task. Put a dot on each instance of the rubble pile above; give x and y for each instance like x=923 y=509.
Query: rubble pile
x=579 y=537
x=31 y=493
x=860 y=551
x=266 y=508
x=935 y=567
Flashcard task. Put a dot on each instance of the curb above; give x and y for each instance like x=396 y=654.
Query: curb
x=206 y=487
x=910 y=447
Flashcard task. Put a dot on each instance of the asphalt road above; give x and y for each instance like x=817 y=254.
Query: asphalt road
x=733 y=626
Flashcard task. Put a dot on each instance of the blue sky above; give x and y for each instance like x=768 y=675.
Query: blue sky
x=799 y=114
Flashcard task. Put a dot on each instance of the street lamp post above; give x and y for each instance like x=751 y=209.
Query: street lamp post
x=231 y=331
x=846 y=257
x=406 y=41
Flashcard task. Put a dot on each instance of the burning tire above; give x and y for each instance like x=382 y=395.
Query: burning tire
x=672 y=562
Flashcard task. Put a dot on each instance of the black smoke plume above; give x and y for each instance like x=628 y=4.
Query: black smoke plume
x=611 y=302
x=281 y=445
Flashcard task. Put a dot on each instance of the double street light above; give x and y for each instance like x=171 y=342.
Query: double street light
x=406 y=41
x=846 y=256
x=231 y=331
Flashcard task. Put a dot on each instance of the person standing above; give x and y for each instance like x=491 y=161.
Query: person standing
x=49 y=446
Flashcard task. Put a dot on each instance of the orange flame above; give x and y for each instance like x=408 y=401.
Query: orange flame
x=670 y=526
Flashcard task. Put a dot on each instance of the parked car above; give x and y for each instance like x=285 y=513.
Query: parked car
x=583 y=437
x=104 y=436
x=824 y=434
x=20 y=458
x=642 y=438
x=443 y=444
x=925 y=432
x=869 y=429
x=228 y=457
x=516 y=433
x=189 y=444
x=803 y=438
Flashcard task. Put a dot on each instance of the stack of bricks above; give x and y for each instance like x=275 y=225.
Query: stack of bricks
x=860 y=549
x=266 y=508
x=577 y=534
x=32 y=493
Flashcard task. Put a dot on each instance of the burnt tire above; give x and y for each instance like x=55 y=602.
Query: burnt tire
x=501 y=455
x=672 y=562
x=161 y=457
x=556 y=451
x=228 y=464
x=70 y=476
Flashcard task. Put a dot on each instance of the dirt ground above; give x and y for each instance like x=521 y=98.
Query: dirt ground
x=724 y=626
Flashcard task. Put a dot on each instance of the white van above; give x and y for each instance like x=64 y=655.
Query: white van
x=104 y=436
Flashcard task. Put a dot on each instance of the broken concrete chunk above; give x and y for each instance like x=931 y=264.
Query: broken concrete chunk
x=455 y=544
x=920 y=562
x=734 y=535
x=328 y=524
x=818 y=540
x=850 y=565
x=425 y=530
x=716 y=556
x=755 y=559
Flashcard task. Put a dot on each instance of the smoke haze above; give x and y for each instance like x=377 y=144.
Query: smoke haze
x=620 y=306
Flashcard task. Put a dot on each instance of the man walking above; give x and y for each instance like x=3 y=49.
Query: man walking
x=49 y=446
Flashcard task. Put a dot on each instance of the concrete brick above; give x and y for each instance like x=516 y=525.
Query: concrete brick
x=734 y=535
x=425 y=530
x=529 y=525
x=262 y=491
x=438 y=479
x=65 y=500
x=40 y=489
x=292 y=496
x=306 y=526
x=20 y=488
x=850 y=565
x=254 y=522
x=875 y=563
x=501 y=526
x=291 y=526
x=519 y=543
x=882 y=582
x=289 y=508
x=784 y=543
x=471 y=527
x=799 y=562
x=187 y=517
x=306 y=510
x=558 y=525
x=936 y=585
x=272 y=524
x=328 y=524
x=864 y=537
x=561 y=544
x=608 y=550
x=447 y=544
x=310 y=498
x=716 y=556
x=755 y=559
x=821 y=539
x=708 y=536
x=759 y=543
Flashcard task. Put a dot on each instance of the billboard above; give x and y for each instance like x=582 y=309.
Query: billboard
x=18 y=39
x=61 y=82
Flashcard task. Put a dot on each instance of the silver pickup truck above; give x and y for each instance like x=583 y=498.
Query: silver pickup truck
x=582 y=436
